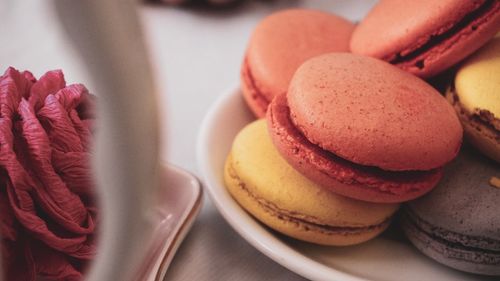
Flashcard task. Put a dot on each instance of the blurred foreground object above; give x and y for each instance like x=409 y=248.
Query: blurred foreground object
x=107 y=34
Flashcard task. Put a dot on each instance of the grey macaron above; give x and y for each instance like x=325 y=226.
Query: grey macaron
x=458 y=223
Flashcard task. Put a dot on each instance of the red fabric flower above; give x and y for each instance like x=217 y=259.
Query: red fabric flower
x=47 y=211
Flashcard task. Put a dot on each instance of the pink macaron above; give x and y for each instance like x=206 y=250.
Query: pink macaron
x=426 y=37
x=364 y=128
x=280 y=43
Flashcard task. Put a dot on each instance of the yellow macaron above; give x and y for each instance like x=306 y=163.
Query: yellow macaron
x=266 y=186
x=476 y=98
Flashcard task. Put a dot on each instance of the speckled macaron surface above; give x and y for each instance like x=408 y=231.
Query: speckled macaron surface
x=458 y=223
x=264 y=184
x=426 y=37
x=371 y=113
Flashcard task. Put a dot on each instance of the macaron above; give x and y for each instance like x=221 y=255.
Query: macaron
x=268 y=188
x=280 y=43
x=364 y=128
x=475 y=95
x=458 y=223
x=426 y=37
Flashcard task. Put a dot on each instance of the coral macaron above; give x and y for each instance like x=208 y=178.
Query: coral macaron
x=266 y=186
x=426 y=37
x=280 y=43
x=364 y=128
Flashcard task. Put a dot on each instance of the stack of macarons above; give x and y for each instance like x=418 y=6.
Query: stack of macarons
x=352 y=130
x=262 y=181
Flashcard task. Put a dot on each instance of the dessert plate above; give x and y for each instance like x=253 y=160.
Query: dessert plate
x=388 y=257
x=178 y=203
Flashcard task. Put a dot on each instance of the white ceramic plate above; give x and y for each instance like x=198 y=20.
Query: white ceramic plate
x=388 y=257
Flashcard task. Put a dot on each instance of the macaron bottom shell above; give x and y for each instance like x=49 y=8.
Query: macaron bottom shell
x=268 y=188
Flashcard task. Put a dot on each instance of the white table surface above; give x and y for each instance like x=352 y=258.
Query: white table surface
x=196 y=55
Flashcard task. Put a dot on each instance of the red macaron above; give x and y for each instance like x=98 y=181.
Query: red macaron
x=426 y=37
x=364 y=128
x=280 y=43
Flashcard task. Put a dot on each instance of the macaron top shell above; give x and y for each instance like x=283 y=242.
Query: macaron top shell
x=284 y=40
x=372 y=113
x=267 y=176
x=430 y=35
x=477 y=83
x=464 y=202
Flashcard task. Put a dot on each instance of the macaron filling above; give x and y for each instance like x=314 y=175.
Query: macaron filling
x=429 y=48
x=309 y=223
x=473 y=249
x=482 y=120
x=340 y=169
x=254 y=92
